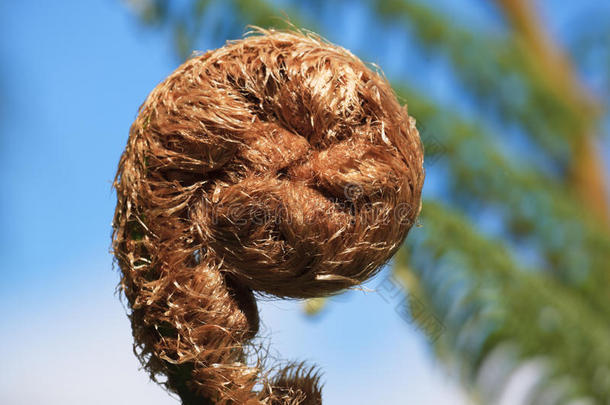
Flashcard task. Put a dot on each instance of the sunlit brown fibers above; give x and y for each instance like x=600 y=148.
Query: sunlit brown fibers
x=278 y=164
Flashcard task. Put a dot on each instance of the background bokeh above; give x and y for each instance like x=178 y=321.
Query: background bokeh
x=503 y=293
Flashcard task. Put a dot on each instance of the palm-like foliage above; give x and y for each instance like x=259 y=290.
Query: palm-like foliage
x=537 y=287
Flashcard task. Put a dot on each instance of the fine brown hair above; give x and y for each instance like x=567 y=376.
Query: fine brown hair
x=278 y=164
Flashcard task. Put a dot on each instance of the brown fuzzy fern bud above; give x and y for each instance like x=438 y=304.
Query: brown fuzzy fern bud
x=277 y=164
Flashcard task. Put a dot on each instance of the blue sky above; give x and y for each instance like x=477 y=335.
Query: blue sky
x=72 y=76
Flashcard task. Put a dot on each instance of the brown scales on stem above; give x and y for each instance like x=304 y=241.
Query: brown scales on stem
x=278 y=164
